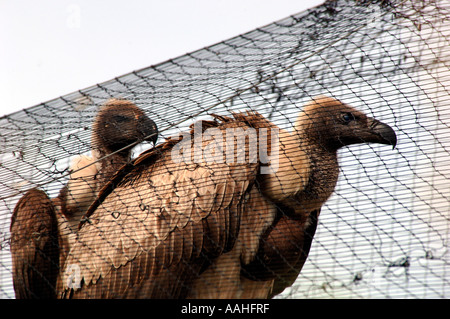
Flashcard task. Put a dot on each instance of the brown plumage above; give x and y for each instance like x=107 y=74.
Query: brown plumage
x=34 y=246
x=159 y=223
x=118 y=126
x=324 y=126
x=164 y=228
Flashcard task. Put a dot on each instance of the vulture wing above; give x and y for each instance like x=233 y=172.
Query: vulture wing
x=299 y=238
x=34 y=246
x=283 y=250
x=161 y=222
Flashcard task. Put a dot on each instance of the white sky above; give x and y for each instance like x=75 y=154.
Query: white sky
x=52 y=48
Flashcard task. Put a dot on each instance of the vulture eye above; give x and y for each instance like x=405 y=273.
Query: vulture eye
x=347 y=117
x=120 y=118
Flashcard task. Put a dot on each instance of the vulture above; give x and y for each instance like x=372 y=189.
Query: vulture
x=43 y=229
x=117 y=127
x=204 y=215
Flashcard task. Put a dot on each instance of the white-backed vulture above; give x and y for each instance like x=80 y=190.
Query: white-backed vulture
x=185 y=221
x=43 y=229
x=118 y=125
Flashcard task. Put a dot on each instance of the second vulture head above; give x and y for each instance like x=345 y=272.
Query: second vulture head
x=120 y=123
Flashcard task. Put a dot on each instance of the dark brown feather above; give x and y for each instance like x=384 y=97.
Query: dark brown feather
x=34 y=246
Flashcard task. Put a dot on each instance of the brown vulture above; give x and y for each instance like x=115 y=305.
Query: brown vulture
x=43 y=229
x=117 y=127
x=183 y=220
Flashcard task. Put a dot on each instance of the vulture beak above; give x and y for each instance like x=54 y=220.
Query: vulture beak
x=147 y=129
x=383 y=133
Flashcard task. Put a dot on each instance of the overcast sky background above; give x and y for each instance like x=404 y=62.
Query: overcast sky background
x=52 y=48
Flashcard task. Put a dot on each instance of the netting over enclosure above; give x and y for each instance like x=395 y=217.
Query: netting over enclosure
x=385 y=231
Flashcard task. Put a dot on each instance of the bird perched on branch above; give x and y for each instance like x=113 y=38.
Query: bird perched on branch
x=43 y=229
x=203 y=215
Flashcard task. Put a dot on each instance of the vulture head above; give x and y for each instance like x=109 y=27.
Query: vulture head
x=118 y=124
x=334 y=124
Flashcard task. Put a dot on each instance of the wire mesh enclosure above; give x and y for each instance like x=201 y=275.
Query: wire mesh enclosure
x=385 y=230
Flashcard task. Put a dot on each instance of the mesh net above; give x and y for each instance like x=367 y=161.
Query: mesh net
x=384 y=232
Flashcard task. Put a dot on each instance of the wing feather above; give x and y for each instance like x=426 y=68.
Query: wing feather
x=151 y=233
x=34 y=246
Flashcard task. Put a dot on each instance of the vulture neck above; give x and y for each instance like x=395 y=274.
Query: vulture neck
x=306 y=175
x=109 y=162
x=323 y=174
